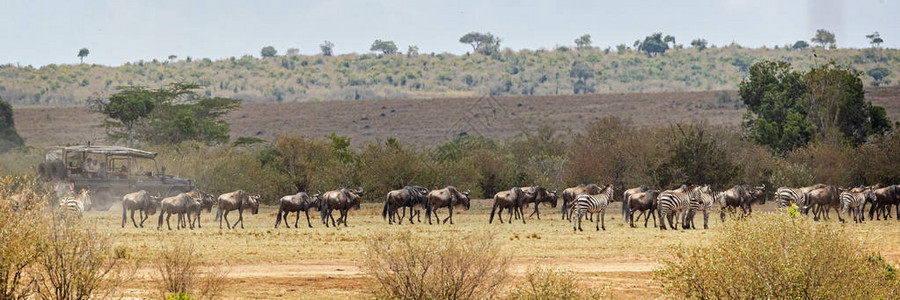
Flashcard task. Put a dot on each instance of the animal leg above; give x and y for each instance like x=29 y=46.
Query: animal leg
x=239 y=220
x=603 y=219
x=307 y=217
x=144 y=217
x=225 y=216
x=132 y=219
x=451 y=215
x=296 y=220
x=167 y=221
x=706 y=219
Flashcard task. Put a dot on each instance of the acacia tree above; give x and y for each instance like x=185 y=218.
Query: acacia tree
x=484 y=43
x=171 y=114
x=583 y=42
x=824 y=37
x=386 y=47
x=700 y=44
x=82 y=53
x=654 y=44
x=327 y=48
x=268 y=51
x=124 y=109
x=875 y=39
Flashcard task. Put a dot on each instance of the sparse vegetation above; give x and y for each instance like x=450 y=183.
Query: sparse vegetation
x=180 y=275
x=778 y=257
x=468 y=267
x=547 y=283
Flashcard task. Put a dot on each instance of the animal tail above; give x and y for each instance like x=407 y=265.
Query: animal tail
x=565 y=205
x=491 y=220
x=162 y=211
x=384 y=211
x=218 y=212
x=626 y=209
x=123 y=214
x=428 y=208
x=323 y=209
x=278 y=215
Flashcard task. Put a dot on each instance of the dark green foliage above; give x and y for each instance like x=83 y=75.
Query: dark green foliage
x=879 y=74
x=776 y=99
x=837 y=104
x=386 y=47
x=268 y=51
x=82 y=53
x=697 y=157
x=700 y=44
x=327 y=48
x=9 y=138
x=167 y=115
x=800 y=45
x=654 y=44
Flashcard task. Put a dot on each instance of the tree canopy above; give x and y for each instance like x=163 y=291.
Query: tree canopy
x=583 y=42
x=82 y=53
x=9 y=138
x=787 y=109
x=824 y=37
x=879 y=74
x=654 y=44
x=327 y=48
x=800 y=45
x=875 y=39
x=170 y=114
x=268 y=51
x=386 y=47
x=484 y=43
x=700 y=44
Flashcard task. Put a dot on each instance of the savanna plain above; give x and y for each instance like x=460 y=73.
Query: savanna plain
x=263 y=262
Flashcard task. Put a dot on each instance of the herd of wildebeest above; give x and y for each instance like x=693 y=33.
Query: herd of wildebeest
x=677 y=206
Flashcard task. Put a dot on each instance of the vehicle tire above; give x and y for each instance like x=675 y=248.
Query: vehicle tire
x=59 y=170
x=43 y=171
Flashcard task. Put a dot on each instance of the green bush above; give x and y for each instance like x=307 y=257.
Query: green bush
x=773 y=256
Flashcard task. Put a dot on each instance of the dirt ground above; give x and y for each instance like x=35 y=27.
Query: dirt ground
x=325 y=263
x=429 y=122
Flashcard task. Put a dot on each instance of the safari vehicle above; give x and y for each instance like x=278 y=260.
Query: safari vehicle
x=110 y=172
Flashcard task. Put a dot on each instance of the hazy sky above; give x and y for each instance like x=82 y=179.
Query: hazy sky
x=39 y=32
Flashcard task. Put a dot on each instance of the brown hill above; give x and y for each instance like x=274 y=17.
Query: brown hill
x=434 y=121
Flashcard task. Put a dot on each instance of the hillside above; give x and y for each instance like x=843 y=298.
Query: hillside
x=374 y=77
x=433 y=121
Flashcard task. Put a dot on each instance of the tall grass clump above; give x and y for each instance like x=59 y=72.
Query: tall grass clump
x=466 y=266
x=546 y=283
x=180 y=275
x=773 y=256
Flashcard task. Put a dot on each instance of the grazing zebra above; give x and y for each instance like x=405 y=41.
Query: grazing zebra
x=674 y=203
x=702 y=203
x=74 y=206
x=593 y=204
x=854 y=201
x=784 y=196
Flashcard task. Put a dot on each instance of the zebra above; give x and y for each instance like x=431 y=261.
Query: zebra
x=854 y=201
x=675 y=202
x=592 y=204
x=703 y=202
x=74 y=206
x=784 y=196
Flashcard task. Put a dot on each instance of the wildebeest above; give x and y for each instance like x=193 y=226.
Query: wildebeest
x=412 y=197
x=537 y=195
x=446 y=197
x=571 y=193
x=142 y=202
x=238 y=200
x=296 y=203
x=342 y=199
x=884 y=197
x=180 y=204
x=822 y=200
x=511 y=199
x=740 y=196
x=204 y=201
x=643 y=200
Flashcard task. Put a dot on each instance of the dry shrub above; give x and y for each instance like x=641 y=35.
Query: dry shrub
x=545 y=283
x=773 y=256
x=77 y=262
x=468 y=266
x=18 y=250
x=180 y=274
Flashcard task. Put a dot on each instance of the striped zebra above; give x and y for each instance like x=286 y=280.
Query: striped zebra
x=784 y=196
x=704 y=203
x=854 y=201
x=592 y=204
x=675 y=203
x=74 y=206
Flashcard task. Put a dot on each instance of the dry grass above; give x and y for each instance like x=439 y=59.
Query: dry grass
x=179 y=272
x=322 y=262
